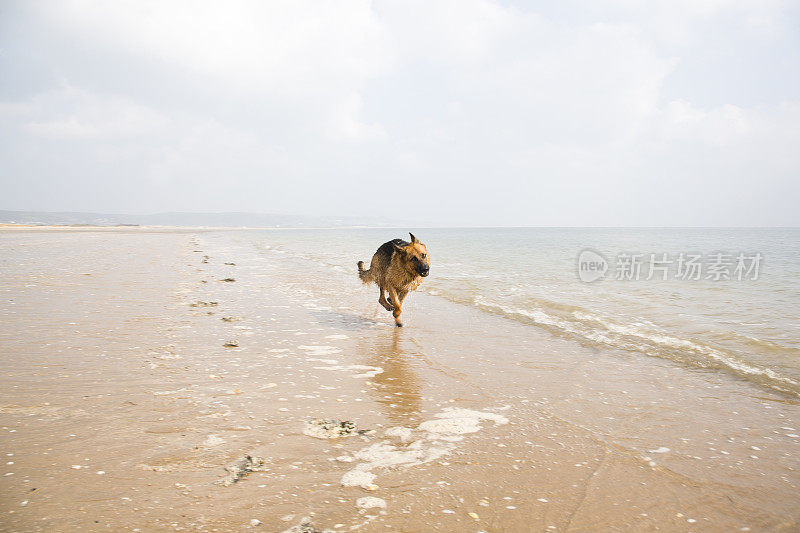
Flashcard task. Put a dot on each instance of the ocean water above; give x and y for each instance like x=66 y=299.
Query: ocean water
x=749 y=327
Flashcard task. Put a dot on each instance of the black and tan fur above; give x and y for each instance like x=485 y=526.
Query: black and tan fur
x=397 y=268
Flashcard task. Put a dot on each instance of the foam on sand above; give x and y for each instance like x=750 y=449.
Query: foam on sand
x=319 y=351
x=369 y=502
x=213 y=440
x=326 y=361
x=359 y=478
x=456 y=421
x=371 y=371
x=404 y=434
x=432 y=440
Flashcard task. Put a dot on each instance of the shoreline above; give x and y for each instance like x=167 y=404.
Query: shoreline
x=502 y=426
x=145 y=228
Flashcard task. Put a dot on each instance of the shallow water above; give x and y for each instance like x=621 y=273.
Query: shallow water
x=748 y=327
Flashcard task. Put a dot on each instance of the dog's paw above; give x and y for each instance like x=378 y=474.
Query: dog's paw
x=389 y=307
x=398 y=324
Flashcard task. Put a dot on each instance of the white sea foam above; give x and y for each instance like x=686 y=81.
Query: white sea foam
x=624 y=335
x=404 y=434
x=359 y=478
x=371 y=371
x=455 y=421
x=433 y=439
x=326 y=361
x=370 y=502
x=213 y=440
x=319 y=351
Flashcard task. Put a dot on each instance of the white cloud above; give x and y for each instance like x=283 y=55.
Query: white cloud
x=490 y=107
x=345 y=123
x=680 y=121
x=453 y=33
x=683 y=23
x=71 y=113
x=275 y=44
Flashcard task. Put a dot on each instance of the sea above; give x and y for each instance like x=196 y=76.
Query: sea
x=714 y=299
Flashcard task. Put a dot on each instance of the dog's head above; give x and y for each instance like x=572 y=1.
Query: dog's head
x=415 y=257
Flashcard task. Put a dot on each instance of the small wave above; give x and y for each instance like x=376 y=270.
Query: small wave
x=635 y=337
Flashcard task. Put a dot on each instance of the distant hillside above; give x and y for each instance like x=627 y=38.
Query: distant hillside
x=225 y=220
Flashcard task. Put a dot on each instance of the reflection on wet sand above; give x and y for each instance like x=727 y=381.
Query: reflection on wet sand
x=341 y=320
x=398 y=387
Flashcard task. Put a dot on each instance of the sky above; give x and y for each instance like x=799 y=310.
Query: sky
x=455 y=113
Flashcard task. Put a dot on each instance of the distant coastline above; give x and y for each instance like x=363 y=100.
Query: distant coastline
x=187 y=220
x=155 y=228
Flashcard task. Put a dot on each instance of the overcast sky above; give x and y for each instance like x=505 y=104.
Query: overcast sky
x=462 y=112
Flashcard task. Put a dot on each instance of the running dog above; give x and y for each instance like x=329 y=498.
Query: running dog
x=397 y=268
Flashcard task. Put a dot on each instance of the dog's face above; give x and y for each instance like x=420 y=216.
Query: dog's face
x=415 y=257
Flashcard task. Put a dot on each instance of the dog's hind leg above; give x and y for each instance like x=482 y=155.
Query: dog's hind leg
x=382 y=300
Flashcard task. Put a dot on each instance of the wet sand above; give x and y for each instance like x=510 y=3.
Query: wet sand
x=121 y=406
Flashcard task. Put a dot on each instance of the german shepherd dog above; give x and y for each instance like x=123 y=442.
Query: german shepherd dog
x=397 y=268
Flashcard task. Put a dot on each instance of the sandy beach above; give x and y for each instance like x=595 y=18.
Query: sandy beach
x=142 y=367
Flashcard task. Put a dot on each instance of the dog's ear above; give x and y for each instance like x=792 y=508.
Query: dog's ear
x=399 y=249
x=414 y=240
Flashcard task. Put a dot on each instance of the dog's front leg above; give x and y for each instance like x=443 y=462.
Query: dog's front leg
x=401 y=296
x=397 y=303
x=382 y=300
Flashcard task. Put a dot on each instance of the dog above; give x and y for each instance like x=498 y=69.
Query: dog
x=397 y=268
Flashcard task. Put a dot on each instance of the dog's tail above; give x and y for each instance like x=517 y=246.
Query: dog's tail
x=364 y=275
